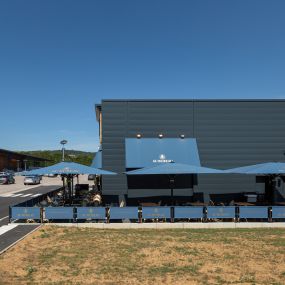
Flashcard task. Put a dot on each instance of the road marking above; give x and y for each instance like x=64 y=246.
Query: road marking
x=6 y=228
x=4 y=218
x=12 y=195
x=16 y=195
x=27 y=195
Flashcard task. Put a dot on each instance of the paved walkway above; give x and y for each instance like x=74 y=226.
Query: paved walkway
x=228 y=225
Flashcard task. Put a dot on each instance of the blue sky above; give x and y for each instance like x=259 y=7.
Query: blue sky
x=59 y=58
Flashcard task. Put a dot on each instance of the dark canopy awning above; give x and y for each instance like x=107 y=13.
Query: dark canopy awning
x=146 y=152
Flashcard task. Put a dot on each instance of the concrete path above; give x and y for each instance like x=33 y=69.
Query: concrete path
x=172 y=225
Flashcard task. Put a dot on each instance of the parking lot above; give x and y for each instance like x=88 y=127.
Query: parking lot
x=12 y=194
x=11 y=190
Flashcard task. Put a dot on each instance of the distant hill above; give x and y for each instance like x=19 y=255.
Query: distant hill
x=55 y=156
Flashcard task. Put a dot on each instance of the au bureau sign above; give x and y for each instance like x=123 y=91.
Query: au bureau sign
x=24 y=213
x=162 y=159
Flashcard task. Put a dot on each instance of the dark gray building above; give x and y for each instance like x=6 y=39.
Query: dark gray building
x=11 y=160
x=229 y=133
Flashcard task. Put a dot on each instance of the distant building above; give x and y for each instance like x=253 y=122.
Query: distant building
x=17 y=161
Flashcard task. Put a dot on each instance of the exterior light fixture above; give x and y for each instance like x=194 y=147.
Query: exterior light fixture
x=139 y=136
x=160 y=136
x=182 y=136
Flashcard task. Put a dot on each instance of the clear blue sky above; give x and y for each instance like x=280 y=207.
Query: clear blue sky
x=59 y=58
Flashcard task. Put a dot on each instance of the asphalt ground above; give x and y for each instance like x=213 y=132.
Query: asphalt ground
x=5 y=202
x=10 y=237
x=17 y=193
x=19 y=185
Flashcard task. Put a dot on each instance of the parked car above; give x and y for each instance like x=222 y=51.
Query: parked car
x=91 y=177
x=7 y=179
x=12 y=172
x=50 y=175
x=33 y=179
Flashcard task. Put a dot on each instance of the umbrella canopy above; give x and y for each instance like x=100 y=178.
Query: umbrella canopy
x=67 y=168
x=268 y=168
x=174 y=168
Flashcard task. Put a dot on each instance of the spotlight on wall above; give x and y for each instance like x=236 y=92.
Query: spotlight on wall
x=182 y=136
x=139 y=136
x=160 y=136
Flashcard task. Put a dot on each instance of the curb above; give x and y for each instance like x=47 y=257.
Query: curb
x=170 y=225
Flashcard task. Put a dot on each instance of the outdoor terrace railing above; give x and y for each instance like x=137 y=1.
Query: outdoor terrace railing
x=142 y=214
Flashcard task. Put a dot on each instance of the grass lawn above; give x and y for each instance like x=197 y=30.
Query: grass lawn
x=58 y=255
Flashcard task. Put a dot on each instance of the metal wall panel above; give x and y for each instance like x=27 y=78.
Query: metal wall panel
x=114 y=126
x=125 y=119
x=229 y=134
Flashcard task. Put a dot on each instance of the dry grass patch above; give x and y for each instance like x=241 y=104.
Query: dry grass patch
x=58 y=255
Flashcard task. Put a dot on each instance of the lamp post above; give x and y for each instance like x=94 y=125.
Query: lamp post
x=25 y=163
x=18 y=165
x=63 y=142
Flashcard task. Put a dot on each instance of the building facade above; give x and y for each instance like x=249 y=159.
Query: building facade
x=11 y=160
x=229 y=133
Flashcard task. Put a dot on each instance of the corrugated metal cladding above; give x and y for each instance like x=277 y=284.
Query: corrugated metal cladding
x=228 y=133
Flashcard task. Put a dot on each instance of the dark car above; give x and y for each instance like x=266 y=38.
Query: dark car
x=91 y=177
x=7 y=179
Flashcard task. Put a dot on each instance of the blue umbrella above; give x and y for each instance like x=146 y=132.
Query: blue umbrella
x=67 y=168
x=268 y=168
x=173 y=169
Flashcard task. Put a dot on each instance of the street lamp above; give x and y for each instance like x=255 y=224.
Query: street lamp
x=63 y=142
x=18 y=165
x=25 y=163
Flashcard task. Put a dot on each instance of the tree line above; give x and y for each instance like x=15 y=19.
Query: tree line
x=55 y=156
